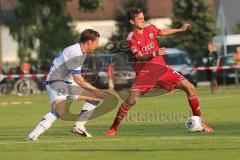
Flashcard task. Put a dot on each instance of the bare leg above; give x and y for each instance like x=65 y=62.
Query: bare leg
x=215 y=84
x=186 y=86
x=189 y=89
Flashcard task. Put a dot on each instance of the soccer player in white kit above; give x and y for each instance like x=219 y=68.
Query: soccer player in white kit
x=65 y=80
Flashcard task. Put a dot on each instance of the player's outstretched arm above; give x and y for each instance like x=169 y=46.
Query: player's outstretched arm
x=84 y=84
x=166 y=32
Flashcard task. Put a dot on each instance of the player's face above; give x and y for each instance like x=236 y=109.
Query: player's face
x=93 y=45
x=210 y=47
x=138 y=21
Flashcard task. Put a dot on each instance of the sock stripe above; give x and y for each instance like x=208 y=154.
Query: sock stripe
x=94 y=102
x=192 y=97
x=56 y=114
x=123 y=110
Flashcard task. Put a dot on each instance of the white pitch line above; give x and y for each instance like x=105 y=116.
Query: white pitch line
x=14 y=103
x=118 y=140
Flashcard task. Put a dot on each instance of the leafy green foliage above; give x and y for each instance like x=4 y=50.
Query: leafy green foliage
x=236 y=29
x=123 y=26
x=89 y=5
x=199 y=14
x=43 y=26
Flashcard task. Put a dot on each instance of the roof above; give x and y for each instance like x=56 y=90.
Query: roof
x=156 y=9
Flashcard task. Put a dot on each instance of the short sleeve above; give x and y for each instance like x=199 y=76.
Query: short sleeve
x=74 y=62
x=133 y=45
x=156 y=30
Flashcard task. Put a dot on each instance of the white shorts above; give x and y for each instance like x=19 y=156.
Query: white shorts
x=60 y=92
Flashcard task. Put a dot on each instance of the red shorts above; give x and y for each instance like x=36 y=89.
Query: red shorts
x=166 y=80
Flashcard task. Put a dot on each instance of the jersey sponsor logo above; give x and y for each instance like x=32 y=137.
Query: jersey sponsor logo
x=148 y=47
x=151 y=35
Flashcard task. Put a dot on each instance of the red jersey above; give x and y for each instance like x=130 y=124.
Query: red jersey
x=146 y=43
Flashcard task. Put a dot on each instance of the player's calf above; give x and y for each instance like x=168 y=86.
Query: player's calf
x=122 y=112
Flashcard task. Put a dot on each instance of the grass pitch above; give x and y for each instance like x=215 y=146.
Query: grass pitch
x=154 y=129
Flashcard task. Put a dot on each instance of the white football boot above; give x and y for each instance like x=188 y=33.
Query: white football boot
x=32 y=137
x=81 y=131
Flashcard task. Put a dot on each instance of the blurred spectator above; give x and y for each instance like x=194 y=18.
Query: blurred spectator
x=213 y=60
x=110 y=74
x=12 y=70
x=25 y=68
x=1 y=74
x=236 y=58
x=1 y=70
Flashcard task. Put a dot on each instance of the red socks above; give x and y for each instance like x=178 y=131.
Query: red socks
x=120 y=115
x=123 y=110
x=194 y=103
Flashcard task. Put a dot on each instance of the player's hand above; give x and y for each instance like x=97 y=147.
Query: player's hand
x=162 y=51
x=100 y=94
x=215 y=70
x=186 y=27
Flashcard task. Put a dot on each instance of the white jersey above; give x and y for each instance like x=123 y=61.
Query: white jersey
x=68 y=62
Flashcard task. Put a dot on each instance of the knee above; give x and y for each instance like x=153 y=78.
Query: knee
x=60 y=110
x=131 y=103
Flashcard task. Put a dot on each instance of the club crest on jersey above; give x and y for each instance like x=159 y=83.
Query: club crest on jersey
x=151 y=35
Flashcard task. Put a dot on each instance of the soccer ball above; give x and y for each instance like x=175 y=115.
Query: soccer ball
x=194 y=124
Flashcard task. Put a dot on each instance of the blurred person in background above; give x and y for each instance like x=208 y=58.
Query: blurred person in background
x=25 y=68
x=236 y=58
x=111 y=76
x=213 y=60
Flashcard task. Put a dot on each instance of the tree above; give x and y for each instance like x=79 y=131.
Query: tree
x=89 y=5
x=236 y=29
x=123 y=26
x=43 y=26
x=199 y=14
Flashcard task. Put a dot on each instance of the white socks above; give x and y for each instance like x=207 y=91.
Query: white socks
x=85 y=114
x=43 y=125
x=51 y=117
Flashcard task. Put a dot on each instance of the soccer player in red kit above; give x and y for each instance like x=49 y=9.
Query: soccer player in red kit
x=148 y=57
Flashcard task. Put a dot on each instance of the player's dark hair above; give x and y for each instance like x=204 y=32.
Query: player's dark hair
x=88 y=34
x=133 y=12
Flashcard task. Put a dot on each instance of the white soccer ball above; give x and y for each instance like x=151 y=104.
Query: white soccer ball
x=194 y=124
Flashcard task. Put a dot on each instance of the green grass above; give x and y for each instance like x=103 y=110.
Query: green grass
x=139 y=138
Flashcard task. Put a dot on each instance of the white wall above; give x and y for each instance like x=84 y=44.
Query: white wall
x=161 y=23
x=9 y=46
x=107 y=27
